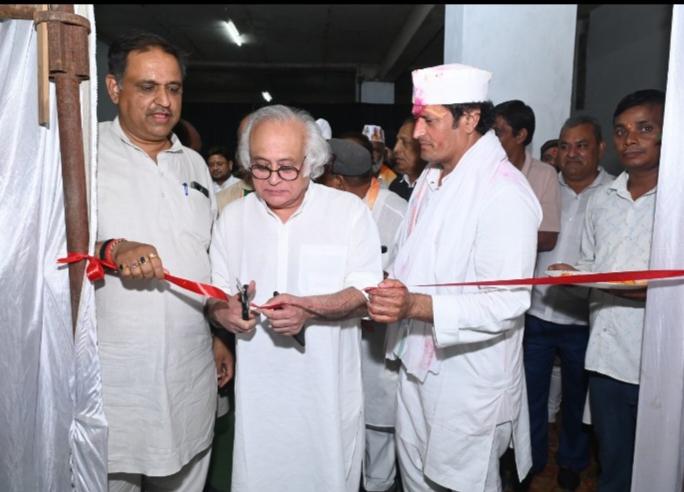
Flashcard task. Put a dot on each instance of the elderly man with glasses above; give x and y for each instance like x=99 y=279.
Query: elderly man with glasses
x=299 y=408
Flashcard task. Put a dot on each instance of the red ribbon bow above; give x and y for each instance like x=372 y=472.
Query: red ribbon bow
x=96 y=271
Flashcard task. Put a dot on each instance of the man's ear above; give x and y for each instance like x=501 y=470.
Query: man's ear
x=112 y=88
x=521 y=136
x=602 y=150
x=471 y=120
x=340 y=183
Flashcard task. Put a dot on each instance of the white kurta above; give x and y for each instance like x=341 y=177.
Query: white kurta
x=158 y=373
x=480 y=224
x=379 y=381
x=299 y=413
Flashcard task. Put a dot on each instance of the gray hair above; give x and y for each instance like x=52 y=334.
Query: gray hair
x=584 y=119
x=316 y=148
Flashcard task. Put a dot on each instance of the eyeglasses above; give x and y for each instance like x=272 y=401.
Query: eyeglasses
x=286 y=173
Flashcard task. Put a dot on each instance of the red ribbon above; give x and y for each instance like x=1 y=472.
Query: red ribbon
x=583 y=278
x=96 y=270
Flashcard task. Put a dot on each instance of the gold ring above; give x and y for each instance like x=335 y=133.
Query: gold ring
x=152 y=255
x=142 y=260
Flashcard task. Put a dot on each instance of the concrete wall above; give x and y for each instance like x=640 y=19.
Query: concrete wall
x=627 y=50
x=528 y=48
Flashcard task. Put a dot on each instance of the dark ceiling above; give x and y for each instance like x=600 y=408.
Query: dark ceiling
x=301 y=54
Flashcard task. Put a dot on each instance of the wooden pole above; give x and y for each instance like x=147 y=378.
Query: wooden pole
x=68 y=66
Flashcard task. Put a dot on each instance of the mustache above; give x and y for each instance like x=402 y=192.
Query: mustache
x=163 y=111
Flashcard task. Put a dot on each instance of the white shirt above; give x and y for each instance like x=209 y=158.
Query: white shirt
x=299 y=413
x=560 y=304
x=158 y=372
x=388 y=211
x=616 y=236
x=230 y=181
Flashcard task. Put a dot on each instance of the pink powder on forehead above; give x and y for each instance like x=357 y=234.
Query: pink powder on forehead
x=418 y=105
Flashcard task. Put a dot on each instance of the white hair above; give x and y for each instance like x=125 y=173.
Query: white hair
x=316 y=148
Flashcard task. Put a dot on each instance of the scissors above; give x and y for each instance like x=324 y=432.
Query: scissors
x=244 y=298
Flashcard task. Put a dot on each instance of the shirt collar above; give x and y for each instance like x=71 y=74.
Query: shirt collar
x=311 y=191
x=176 y=145
x=598 y=180
x=619 y=185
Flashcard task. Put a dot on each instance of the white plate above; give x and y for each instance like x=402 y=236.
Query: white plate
x=627 y=284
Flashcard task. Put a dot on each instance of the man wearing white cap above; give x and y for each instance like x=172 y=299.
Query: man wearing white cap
x=382 y=171
x=472 y=216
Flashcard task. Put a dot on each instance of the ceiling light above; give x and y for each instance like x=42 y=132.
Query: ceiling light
x=234 y=33
x=267 y=97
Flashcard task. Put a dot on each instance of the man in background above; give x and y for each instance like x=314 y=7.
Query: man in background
x=381 y=170
x=549 y=151
x=617 y=234
x=514 y=125
x=220 y=167
x=407 y=161
x=557 y=323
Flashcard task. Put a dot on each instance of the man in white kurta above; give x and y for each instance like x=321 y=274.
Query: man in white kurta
x=158 y=377
x=299 y=410
x=472 y=216
x=158 y=372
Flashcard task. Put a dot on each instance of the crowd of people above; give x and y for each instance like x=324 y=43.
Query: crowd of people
x=358 y=364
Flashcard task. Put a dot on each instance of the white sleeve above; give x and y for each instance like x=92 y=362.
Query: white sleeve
x=364 y=264
x=221 y=276
x=505 y=247
x=588 y=241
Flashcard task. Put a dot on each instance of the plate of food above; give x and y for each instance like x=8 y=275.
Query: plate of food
x=620 y=284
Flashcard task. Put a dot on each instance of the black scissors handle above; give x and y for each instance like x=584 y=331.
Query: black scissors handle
x=244 y=300
x=299 y=337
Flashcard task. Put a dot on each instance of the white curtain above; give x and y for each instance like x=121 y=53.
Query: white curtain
x=52 y=427
x=659 y=454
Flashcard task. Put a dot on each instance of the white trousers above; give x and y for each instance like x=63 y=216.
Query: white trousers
x=413 y=479
x=379 y=462
x=190 y=478
x=415 y=406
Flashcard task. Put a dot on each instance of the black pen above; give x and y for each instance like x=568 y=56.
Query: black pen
x=299 y=336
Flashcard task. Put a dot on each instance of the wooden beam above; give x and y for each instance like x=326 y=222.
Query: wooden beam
x=43 y=72
x=18 y=11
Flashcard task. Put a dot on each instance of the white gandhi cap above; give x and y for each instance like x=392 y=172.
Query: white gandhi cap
x=450 y=84
x=324 y=127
